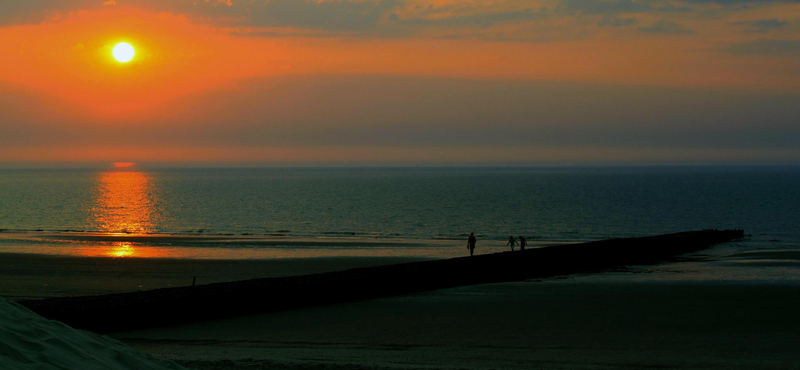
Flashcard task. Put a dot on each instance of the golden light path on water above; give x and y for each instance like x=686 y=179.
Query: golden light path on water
x=125 y=205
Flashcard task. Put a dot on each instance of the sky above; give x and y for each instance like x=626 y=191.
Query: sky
x=401 y=82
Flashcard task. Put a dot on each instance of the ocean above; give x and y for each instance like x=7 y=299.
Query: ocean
x=432 y=206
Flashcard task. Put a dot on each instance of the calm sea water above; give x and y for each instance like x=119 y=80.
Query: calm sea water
x=551 y=204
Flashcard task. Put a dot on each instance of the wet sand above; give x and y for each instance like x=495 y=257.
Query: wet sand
x=576 y=323
x=33 y=276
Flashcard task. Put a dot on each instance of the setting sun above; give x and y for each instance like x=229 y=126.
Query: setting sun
x=123 y=52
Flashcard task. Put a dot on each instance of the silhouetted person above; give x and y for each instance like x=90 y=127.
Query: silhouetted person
x=511 y=242
x=471 y=243
x=522 y=243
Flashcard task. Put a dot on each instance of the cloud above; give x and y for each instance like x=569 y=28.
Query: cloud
x=332 y=15
x=667 y=28
x=670 y=8
x=605 y=7
x=739 y=2
x=766 y=47
x=611 y=7
x=478 y=18
x=617 y=21
x=36 y=11
x=516 y=20
x=761 y=25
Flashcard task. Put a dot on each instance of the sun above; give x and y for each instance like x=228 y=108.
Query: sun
x=123 y=52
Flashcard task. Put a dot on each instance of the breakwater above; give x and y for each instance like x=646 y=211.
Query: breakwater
x=171 y=306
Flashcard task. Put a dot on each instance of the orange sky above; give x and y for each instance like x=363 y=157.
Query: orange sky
x=71 y=60
x=58 y=70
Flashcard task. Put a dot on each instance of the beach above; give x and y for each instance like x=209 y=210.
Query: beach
x=728 y=307
x=580 y=322
x=716 y=309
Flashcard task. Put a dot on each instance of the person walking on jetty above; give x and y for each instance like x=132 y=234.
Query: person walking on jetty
x=471 y=243
x=511 y=242
x=522 y=243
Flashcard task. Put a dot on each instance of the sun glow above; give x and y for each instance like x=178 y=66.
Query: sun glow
x=123 y=52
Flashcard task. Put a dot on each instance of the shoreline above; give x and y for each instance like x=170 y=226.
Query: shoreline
x=277 y=237
x=260 y=239
x=161 y=246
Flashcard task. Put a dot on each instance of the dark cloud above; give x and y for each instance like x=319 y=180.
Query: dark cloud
x=606 y=7
x=739 y=2
x=612 y=21
x=666 y=27
x=332 y=15
x=670 y=8
x=767 y=47
x=761 y=25
x=405 y=18
x=36 y=11
x=481 y=19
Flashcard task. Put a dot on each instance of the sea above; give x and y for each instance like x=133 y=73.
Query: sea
x=286 y=212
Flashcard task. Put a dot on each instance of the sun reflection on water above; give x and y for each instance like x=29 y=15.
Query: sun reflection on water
x=125 y=205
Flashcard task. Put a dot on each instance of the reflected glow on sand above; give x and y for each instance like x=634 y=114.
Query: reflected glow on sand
x=128 y=249
x=122 y=249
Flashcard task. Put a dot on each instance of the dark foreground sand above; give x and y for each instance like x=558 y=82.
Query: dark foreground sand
x=584 y=322
x=36 y=276
x=568 y=324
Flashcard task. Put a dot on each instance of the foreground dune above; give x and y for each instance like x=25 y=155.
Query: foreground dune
x=29 y=341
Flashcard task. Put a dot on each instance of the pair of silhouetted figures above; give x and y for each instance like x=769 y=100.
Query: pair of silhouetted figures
x=511 y=241
x=522 y=243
